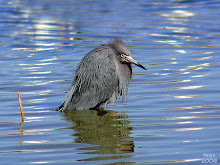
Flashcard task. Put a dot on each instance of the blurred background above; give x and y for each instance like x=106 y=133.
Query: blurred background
x=171 y=114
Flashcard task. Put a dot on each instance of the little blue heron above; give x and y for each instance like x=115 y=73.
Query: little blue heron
x=102 y=76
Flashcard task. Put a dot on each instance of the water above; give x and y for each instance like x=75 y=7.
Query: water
x=171 y=114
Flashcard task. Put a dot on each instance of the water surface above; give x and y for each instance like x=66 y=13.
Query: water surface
x=171 y=114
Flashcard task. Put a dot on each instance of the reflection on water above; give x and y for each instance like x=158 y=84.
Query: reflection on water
x=108 y=130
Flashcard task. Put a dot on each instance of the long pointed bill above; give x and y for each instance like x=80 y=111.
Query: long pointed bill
x=131 y=60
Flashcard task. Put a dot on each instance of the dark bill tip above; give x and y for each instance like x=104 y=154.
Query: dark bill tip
x=141 y=66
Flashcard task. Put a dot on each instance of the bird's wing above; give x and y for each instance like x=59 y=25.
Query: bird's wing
x=95 y=82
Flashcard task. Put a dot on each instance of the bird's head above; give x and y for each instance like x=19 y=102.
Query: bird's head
x=123 y=53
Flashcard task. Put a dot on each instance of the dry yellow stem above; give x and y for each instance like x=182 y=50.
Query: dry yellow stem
x=22 y=112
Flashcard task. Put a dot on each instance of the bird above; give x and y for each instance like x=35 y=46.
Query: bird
x=102 y=76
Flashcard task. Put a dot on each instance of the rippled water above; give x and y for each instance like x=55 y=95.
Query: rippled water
x=171 y=115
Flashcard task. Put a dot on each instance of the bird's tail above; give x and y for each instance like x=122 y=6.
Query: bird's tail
x=60 y=108
x=67 y=99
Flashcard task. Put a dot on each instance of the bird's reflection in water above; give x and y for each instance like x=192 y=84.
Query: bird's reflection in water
x=108 y=130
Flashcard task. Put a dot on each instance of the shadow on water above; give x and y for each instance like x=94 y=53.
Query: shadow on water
x=107 y=130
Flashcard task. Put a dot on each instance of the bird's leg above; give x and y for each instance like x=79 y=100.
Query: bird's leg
x=100 y=110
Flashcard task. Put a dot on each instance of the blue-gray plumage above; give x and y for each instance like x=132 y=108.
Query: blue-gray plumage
x=102 y=76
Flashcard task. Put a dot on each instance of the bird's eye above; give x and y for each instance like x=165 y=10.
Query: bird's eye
x=122 y=55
